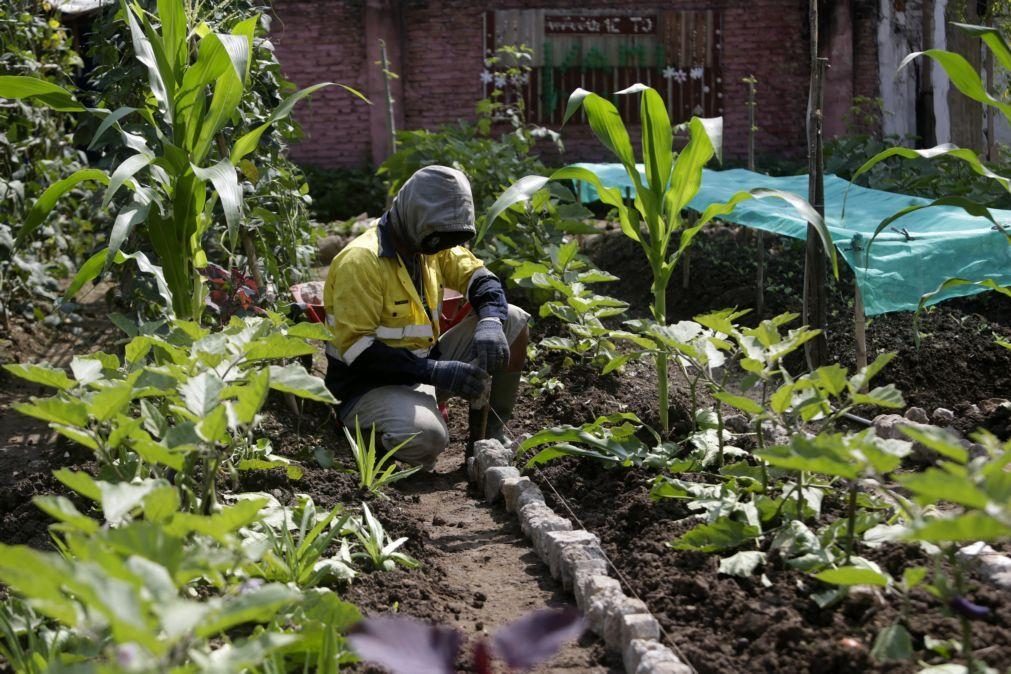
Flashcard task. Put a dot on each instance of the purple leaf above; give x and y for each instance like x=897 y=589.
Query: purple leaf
x=406 y=646
x=968 y=609
x=537 y=636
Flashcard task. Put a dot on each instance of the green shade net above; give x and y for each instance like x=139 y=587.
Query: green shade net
x=943 y=242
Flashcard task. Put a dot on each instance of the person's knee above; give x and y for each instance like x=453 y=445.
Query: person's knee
x=422 y=445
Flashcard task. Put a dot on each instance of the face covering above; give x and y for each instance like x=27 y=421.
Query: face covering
x=433 y=211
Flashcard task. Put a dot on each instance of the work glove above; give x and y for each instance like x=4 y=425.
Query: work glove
x=491 y=348
x=457 y=377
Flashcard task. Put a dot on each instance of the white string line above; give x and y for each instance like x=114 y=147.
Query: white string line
x=621 y=577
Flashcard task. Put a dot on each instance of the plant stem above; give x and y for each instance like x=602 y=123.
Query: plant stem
x=800 y=496
x=660 y=314
x=851 y=525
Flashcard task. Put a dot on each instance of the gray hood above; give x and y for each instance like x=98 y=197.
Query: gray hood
x=436 y=199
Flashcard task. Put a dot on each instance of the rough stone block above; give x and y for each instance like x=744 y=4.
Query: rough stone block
x=614 y=618
x=556 y=541
x=581 y=559
x=662 y=661
x=493 y=479
x=589 y=588
x=514 y=488
x=490 y=453
x=917 y=414
x=993 y=566
x=545 y=528
x=636 y=649
x=638 y=626
x=942 y=416
x=531 y=494
x=533 y=514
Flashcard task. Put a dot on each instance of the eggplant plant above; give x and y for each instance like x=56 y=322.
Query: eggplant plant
x=664 y=186
x=183 y=152
x=150 y=587
x=566 y=279
x=182 y=404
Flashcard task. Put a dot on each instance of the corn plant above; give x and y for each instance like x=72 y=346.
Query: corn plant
x=664 y=187
x=965 y=78
x=370 y=468
x=376 y=545
x=184 y=156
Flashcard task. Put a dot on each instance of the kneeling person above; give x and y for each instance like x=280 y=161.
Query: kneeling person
x=387 y=363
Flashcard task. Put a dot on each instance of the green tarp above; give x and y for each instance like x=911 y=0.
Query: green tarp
x=942 y=242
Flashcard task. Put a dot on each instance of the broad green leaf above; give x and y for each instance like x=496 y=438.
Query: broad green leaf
x=852 y=575
x=110 y=401
x=249 y=141
x=19 y=87
x=250 y=397
x=71 y=412
x=725 y=534
x=293 y=471
x=277 y=346
x=742 y=564
x=317 y=331
x=817 y=455
x=246 y=655
x=119 y=499
x=161 y=503
x=862 y=378
x=214 y=426
x=935 y=486
x=202 y=393
x=295 y=380
x=78 y=435
x=939 y=440
x=882 y=396
x=80 y=482
x=45 y=203
x=832 y=378
x=61 y=508
x=157 y=453
x=893 y=644
x=259 y=605
x=86 y=370
x=221 y=523
x=968 y=528
x=739 y=402
x=226 y=183
x=992 y=38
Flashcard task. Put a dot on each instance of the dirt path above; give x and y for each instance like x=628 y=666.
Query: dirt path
x=486 y=573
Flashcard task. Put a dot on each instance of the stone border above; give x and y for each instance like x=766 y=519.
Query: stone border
x=577 y=560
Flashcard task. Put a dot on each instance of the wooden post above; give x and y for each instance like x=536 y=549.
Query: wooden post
x=815 y=313
x=752 y=81
x=859 y=327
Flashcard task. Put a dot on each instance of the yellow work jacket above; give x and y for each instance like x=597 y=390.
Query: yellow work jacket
x=369 y=295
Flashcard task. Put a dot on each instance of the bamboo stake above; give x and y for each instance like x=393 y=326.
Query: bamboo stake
x=815 y=296
x=859 y=327
x=752 y=104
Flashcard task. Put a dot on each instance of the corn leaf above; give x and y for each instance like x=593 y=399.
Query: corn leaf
x=45 y=203
x=19 y=87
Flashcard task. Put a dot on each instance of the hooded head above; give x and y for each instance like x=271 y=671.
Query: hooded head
x=433 y=211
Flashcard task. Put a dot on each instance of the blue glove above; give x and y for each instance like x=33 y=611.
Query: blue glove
x=491 y=348
x=457 y=377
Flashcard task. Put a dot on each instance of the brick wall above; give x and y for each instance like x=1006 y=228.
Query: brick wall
x=442 y=59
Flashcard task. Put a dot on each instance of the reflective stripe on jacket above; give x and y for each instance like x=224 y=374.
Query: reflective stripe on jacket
x=369 y=295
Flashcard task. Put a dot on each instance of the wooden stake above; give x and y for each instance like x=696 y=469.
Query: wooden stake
x=859 y=327
x=751 y=81
x=815 y=296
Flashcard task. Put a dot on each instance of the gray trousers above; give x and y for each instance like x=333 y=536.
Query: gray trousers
x=410 y=414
